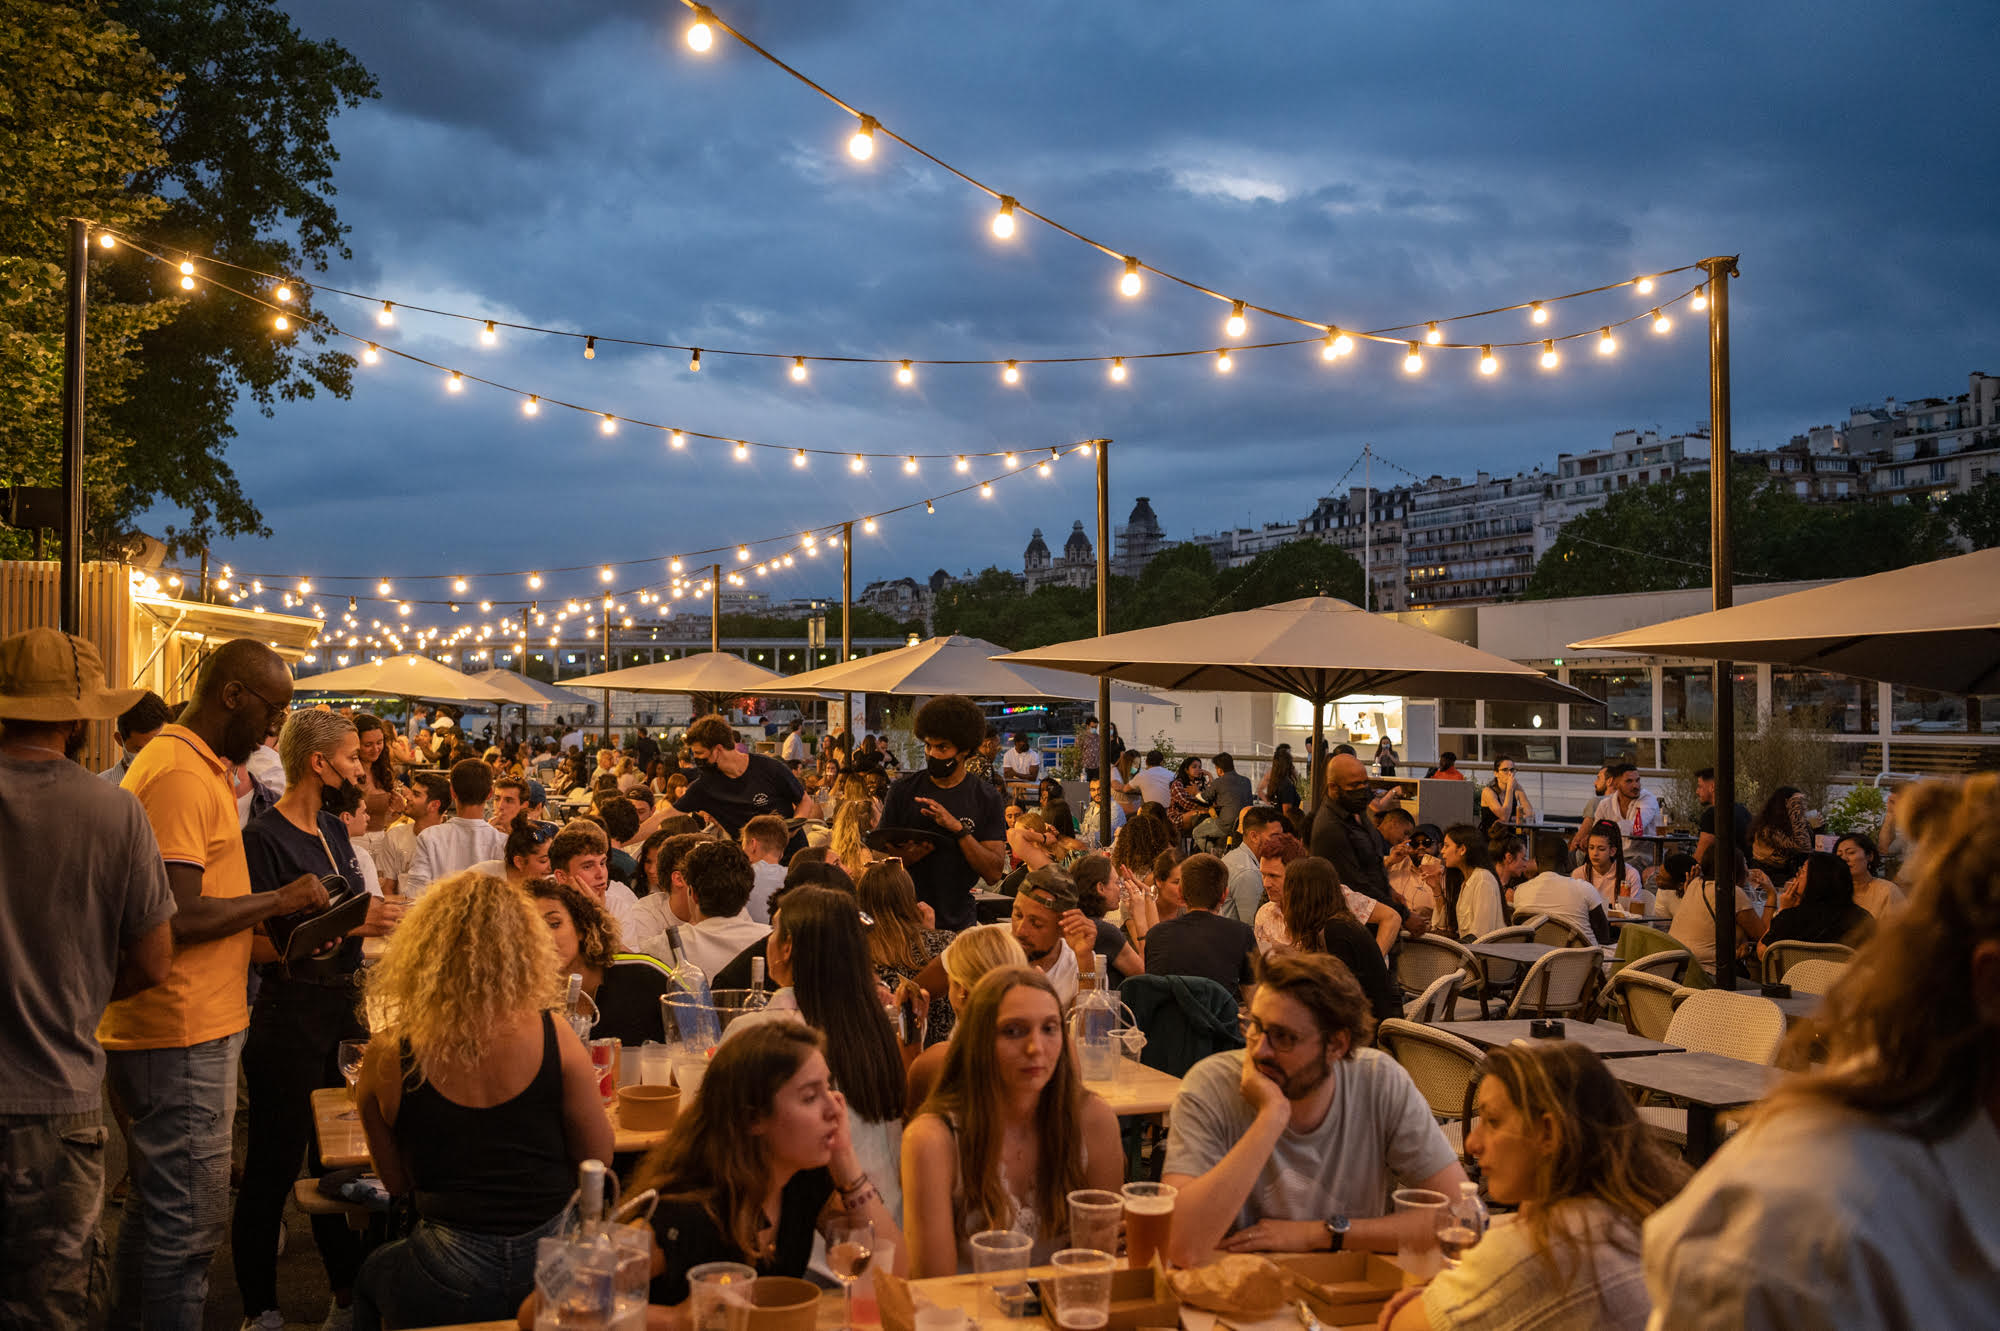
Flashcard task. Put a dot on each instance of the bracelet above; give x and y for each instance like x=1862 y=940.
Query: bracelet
x=854 y=1200
x=845 y=1188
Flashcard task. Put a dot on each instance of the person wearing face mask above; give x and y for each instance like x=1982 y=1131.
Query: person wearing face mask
x=1343 y=833
x=731 y=786
x=944 y=795
x=303 y=1010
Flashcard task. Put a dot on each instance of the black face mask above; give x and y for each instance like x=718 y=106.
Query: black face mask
x=1356 y=800
x=340 y=800
x=940 y=769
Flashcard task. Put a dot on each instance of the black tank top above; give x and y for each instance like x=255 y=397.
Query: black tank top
x=502 y=1170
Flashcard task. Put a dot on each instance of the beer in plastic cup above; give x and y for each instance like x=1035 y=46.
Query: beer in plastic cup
x=1149 y=1221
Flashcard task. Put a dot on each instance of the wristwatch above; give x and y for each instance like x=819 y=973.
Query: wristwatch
x=1336 y=1233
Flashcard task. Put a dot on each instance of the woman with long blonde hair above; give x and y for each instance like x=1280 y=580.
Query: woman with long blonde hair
x=1008 y=1133
x=476 y=1099
x=977 y=950
x=1868 y=1176
x=1557 y=1138
x=854 y=821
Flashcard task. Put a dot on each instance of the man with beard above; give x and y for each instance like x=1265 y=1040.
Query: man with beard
x=172 y=1050
x=1060 y=940
x=84 y=910
x=1289 y=1144
x=1344 y=834
x=304 y=1009
x=946 y=797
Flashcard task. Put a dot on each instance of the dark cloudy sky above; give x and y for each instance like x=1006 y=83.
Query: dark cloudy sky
x=574 y=165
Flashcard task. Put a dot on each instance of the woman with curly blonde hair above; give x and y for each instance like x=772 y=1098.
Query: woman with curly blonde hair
x=855 y=820
x=475 y=1099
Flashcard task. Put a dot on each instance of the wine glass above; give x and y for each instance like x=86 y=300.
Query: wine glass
x=850 y=1246
x=351 y=1054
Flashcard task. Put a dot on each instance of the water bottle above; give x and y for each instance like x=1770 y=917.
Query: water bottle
x=1094 y=1021
x=693 y=1008
x=1465 y=1223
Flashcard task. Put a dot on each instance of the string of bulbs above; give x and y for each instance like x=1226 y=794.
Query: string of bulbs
x=1339 y=339
x=1335 y=343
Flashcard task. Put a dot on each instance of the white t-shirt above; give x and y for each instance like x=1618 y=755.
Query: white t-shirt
x=1647 y=810
x=1377 y=1127
x=1694 y=920
x=457 y=843
x=1880 y=898
x=1021 y=766
x=1063 y=974
x=1559 y=897
x=366 y=863
x=1481 y=908
x=1503 y=1284
x=1154 y=784
x=713 y=943
x=769 y=878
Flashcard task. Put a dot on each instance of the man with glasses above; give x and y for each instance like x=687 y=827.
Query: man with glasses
x=172 y=1050
x=1289 y=1145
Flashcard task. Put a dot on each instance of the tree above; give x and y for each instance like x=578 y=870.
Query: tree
x=1974 y=514
x=78 y=101
x=247 y=172
x=1295 y=569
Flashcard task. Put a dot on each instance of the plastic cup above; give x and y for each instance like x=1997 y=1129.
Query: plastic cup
x=936 y=1316
x=1000 y=1258
x=1081 y=1288
x=689 y=1069
x=1093 y=1219
x=1149 y=1221
x=656 y=1064
x=712 y=1288
x=1417 y=1213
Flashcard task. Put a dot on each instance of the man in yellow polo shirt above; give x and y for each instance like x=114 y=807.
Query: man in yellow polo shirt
x=172 y=1050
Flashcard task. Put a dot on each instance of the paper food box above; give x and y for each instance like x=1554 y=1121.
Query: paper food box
x=1343 y=1287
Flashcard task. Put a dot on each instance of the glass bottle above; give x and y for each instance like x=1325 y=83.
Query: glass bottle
x=1093 y=1020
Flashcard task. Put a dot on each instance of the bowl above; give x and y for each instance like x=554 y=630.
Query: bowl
x=782 y=1303
x=648 y=1108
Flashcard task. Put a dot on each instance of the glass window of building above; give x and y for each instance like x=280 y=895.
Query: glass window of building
x=1625 y=699
x=1598 y=751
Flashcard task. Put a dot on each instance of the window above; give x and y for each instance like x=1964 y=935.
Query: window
x=1520 y=716
x=1848 y=705
x=1522 y=748
x=1600 y=751
x=1921 y=712
x=1456 y=713
x=1625 y=699
x=1687 y=696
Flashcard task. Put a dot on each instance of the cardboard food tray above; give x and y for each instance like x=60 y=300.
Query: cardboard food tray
x=1342 y=1289
x=1138 y=1299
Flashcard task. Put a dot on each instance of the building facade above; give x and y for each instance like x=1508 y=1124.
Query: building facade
x=1477 y=540
x=1075 y=567
x=1368 y=525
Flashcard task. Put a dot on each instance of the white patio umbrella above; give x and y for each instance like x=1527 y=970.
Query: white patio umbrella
x=405 y=677
x=954 y=664
x=527 y=692
x=1930 y=626
x=712 y=678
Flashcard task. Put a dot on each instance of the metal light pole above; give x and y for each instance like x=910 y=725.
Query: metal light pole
x=1103 y=627
x=847 y=623
x=607 y=667
x=72 y=428
x=1722 y=575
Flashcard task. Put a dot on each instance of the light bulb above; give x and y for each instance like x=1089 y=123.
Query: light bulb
x=962 y=464
x=604 y=574
x=1644 y=286
x=1043 y=468
x=281 y=323
x=1009 y=461
x=1661 y=323
x=1083 y=449
x=1223 y=365
x=382 y=587
x=456 y=383
x=862 y=146
x=1337 y=344
x=1003 y=221
x=489 y=334
x=105 y=239
x=535 y=584
x=856 y=464
x=305 y=586
x=699 y=35
x=531 y=406
x=742 y=451
x=1606 y=344
x=1118 y=370
x=1433 y=335
x=799 y=458
x=929 y=507
x=1549 y=357
x=674 y=566
x=485 y=607
x=1131 y=283
x=868 y=524
x=694 y=361
x=677 y=440
x=386 y=315
x=370 y=355
x=1012 y=374
x=1488 y=364
x=1699 y=302
x=187 y=283
x=986 y=489
x=1234 y=325
x=1413 y=361
x=743 y=553
x=283 y=293
x=590 y=348
x=798 y=369
x=458 y=584
x=187 y=266
x=609 y=424
x=905 y=375
x=403 y=608
x=1537 y=313
x=910 y=465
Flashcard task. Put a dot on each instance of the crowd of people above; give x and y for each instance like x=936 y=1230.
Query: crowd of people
x=907 y=1067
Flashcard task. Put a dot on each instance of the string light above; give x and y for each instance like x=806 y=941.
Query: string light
x=1488 y=364
x=281 y=323
x=1644 y=286
x=1413 y=360
x=743 y=553
x=856 y=464
x=962 y=464
x=986 y=489
x=862 y=146
x=694 y=361
x=105 y=239
x=1661 y=323
x=534 y=582
x=590 y=348
x=486 y=607
x=700 y=36
x=799 y=458
x=1234 y=325
x=1433 y=335
x=1008 y=460
x=531 y=406
x=458 y=585
x=305 y=586
x=910 y=466
x=1223 y=365
x=1699 y=301
x=1130 y=284
x=489 y=334
x=674 y=566
x=370 y=354
x=928 y=508
x=742 y=451
x=1003 y=221
x=1118 y=370
x=905 y=375
x=1338 y=344
x=1043 y=468
x=1537 y=314
x=187 y=277
x=1012 y=374
x=798 y=369
x=382 y=588
x=283 y=293
x=456 y=383
x=605 y=574
x=677 y=440
x=386 y=315
x=868 y=524
x=1606 y=344
x=1549 y=357
x=609 y=424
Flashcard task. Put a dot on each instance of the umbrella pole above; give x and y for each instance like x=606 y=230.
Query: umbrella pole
x=1103 y=627
x=1318 y=766
x=1722 y=577
x=847 y=622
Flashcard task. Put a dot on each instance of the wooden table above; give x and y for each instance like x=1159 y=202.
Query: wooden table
x=1141 y=1092
x=962 y=1292
x=1708 y=1082
x=1604 y=1041
x=342 y=1144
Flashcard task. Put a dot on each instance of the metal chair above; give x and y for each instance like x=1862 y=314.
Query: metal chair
x=1560 y=984
x=1816 y=975
x=1646 y=1000
x=1781 y=957
x=1439 y=1002
x=1668 y=966
x=1444 y=1067
x=1709 y=1021
x=1420 y=961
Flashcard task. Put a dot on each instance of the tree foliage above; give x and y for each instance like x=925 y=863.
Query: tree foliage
x=1656 y=538
x=1974 y=514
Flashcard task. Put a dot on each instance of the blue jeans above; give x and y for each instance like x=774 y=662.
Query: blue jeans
x=51 y=1187
x=182 y=1103
x=440 y=1276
